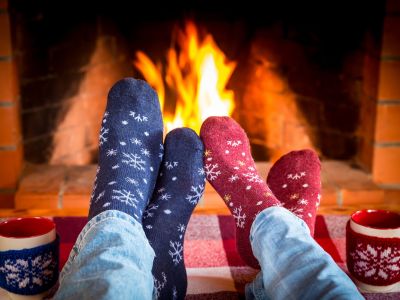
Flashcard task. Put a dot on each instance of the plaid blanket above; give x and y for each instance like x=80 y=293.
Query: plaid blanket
x=214 y=268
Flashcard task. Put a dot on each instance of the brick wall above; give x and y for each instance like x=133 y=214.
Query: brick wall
x=386 y=153
x=10 y=135
x=66 y=66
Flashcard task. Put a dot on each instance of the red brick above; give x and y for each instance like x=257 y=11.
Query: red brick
x=8 y=81
x=40 y=187
x=386 y=165
x=391 y=36
x=363 y=196
x=392 y=196
x=329 y=196
x=6 y=199
x=389 y=73
x=388 y=123
x=11 y=165
x=9 y=124
x=5 y=35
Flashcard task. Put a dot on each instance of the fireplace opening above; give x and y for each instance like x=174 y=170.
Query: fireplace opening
x=297 y=80
x=294 y=75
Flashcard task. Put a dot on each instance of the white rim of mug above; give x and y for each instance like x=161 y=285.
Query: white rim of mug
x=374 y=231
x=31 y=236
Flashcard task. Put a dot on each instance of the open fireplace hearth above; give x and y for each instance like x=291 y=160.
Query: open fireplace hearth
x=293 y=75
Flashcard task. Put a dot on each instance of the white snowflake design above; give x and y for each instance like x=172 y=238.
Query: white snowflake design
x=239 y=217
x=102 y=137
x=176 y=252
x=145 y=152
x=106 y=114
x=164 y=197
x=212 y=171
x=126 y=197
x=134 y=160
x=99 y=196
x=159 y=285
x=171 y=164
x=181 y=228
x=233 y=178
x=234 y=143
x=161 y=190
x=161 y=154
x=111 y=152
x=302 y=201
x=21 y=273
x=195 y=194
x=114 y=167
x=201 y=171
x=252 y=177
x=149 y=211
x=138 y=117
x=139 y=192
x=296 y=176
x=297 y=211
x=136 y=141
x=174 y=293
x=131 y=181
x=376 y=262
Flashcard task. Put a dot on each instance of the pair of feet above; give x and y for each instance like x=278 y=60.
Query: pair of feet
x=159 y=184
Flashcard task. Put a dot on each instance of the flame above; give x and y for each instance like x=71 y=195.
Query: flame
x=197 y=72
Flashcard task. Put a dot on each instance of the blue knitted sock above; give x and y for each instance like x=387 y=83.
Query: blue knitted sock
x=179 y=187
x=130 y=150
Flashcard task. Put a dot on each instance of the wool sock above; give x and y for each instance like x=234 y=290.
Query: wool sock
x=296 y=181
x=180 y=186
x=230 y=169
x=130 y=150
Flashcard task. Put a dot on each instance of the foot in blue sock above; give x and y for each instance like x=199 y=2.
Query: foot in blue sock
x=179 y=187
x=130 y=150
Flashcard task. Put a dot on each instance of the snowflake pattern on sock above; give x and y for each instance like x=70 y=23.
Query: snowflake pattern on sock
x=178 y=190
x=129 y=147
x=295 y=180
x=229 y=167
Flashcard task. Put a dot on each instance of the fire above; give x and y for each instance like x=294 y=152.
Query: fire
x=197 y=72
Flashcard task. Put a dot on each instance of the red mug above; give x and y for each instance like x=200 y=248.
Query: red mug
x=373 y=250
x=21 y=234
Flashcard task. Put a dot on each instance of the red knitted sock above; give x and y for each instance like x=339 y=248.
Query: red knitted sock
x=230 y=169
x=295 y=180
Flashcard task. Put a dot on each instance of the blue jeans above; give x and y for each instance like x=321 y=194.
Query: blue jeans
x=112 y=259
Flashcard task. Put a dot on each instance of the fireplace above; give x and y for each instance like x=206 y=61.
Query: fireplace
x=306 y=75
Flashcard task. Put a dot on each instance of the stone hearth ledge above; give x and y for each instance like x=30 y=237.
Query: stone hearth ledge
x=65 y=190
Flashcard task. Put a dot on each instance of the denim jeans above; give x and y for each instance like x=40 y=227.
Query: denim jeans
x=293 y=265
x=112 y=259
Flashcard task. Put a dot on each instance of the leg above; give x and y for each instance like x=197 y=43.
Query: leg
x=230 y=169
x=112 y=258
x=179 y=187
x=105 y=264
x=293 y=265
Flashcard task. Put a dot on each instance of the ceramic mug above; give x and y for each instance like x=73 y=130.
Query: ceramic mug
x=28 y=257
x=373 y=250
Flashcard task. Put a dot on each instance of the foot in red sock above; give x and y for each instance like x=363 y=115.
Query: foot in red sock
x=229 y=167
x=296 y=181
